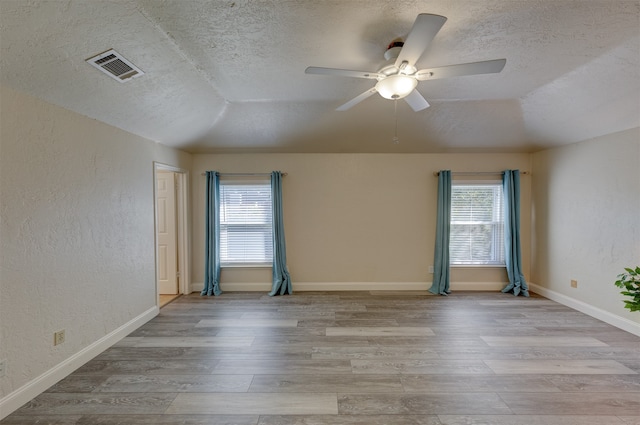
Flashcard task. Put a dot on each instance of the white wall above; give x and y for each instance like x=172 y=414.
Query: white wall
x=356 y=218
x=77 y=235
x=586 y=215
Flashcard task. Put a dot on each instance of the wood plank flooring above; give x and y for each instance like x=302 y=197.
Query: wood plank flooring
x=166 y=299
x=355 y=358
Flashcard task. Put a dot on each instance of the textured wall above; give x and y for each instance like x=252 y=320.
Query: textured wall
x=77 y=232
x=357 y=217
x=586 y=208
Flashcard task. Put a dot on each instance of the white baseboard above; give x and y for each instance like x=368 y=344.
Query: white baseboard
x=354 y=286
x=360 y=286
x=477 y=286
x=32 y=389
x=598 y=313
x=196 y=287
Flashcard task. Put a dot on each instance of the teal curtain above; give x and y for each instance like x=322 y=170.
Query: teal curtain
x=443 y=224
x=212 y=235
x=281 y=277
x=513 y=257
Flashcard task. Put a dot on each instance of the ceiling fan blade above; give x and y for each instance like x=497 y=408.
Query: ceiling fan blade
x=424 y=29
x=357 y=99
x=342 y=72
x=416 y=101
x=473 y=68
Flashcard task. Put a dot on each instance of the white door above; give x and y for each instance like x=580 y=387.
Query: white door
x=167 y=233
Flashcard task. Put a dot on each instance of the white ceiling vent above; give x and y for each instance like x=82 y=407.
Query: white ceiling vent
x=114 y=65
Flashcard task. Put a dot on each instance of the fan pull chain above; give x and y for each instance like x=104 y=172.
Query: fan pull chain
x=395 y=114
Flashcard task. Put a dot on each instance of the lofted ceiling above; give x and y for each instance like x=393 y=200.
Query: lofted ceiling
x=228 y=76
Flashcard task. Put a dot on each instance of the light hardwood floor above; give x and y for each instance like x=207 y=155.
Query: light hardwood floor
x=355 y=358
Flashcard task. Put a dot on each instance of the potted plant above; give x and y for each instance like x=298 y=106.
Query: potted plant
x=630 y=282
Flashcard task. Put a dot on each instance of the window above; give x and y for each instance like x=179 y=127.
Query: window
x=477 y=224
x=245 y=223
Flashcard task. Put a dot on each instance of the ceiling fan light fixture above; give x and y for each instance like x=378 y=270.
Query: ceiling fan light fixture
x=398 y=77
x=396 y=86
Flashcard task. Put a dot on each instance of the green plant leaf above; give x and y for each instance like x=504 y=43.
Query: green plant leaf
x=630 y=283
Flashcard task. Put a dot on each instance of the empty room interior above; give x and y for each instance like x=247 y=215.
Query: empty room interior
x=125 y=123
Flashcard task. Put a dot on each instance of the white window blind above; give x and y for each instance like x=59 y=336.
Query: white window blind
x=477 y=224
x=245 y=223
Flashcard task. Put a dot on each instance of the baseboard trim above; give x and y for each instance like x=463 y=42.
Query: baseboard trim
x=477 y=286
x=32 y=389
x=354 y=286
x=595 y=312
x=360 y=286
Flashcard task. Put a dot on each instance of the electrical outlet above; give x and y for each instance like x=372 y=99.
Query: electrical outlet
x=431 y=269
x=58 y=337
x=3 y=367
x=574 y=283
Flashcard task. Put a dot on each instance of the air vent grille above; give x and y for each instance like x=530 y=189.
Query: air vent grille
x=105 y=59
x=114 y=65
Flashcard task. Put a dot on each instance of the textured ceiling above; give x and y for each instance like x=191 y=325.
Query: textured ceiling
x=228 y=76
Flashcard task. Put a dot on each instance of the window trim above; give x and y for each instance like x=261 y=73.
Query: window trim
x=235 y=181
x=480 y=182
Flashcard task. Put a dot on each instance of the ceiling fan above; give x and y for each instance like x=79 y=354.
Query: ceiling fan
x=398 y=78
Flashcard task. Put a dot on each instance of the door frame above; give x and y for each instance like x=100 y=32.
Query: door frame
x=182 y=217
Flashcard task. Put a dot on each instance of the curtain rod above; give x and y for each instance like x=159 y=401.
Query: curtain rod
x=243 y=174
x=477 y=173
